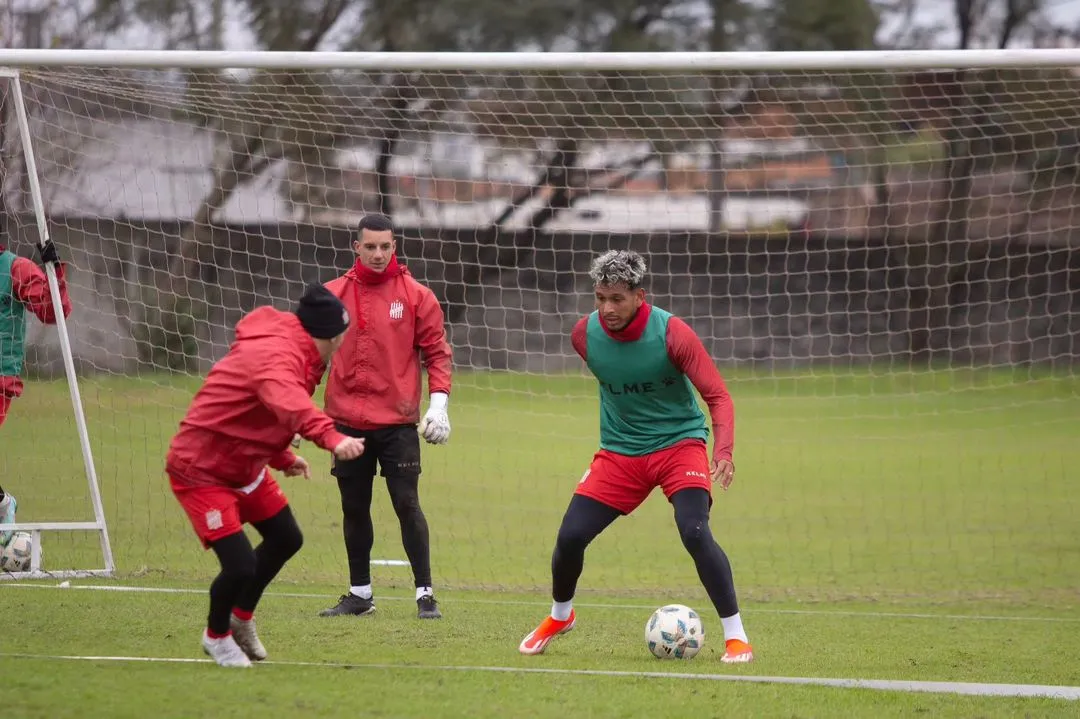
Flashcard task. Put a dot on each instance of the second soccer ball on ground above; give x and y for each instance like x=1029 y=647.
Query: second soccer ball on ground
x=15 y=557
x=674 y=631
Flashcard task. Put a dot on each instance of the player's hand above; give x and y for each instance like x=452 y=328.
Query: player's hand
x=349 y=448
x=299 y=467
x=48 y=254
x=435 y=426
x=723 y=471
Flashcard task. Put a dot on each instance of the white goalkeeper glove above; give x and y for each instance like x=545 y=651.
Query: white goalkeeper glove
x=435 y=426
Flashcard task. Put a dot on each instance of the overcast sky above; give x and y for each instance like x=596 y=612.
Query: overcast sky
x=929 y=14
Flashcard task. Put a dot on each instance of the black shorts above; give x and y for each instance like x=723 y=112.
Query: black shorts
x=396 y=450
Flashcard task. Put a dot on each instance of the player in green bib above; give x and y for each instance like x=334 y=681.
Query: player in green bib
x=647 y=363
x=23 y=288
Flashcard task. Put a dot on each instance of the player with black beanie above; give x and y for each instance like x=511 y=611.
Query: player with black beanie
x=240 y=425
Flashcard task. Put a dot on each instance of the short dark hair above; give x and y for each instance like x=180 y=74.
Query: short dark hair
x=375 y=223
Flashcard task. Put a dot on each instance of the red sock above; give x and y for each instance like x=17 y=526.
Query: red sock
x=214 y=635
x=242 y=615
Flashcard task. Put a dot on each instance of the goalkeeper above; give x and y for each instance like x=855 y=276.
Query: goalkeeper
x=243 y=418
x=652 y=433
x=23 y=286
x=374 y=392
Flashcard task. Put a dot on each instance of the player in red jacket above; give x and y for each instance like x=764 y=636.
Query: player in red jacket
x=374 y=392
x=254 y=401
x=23 y=287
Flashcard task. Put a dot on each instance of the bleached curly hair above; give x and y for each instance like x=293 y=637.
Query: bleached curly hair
x=618 y=266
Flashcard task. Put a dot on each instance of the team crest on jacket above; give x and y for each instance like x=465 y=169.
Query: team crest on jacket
x=397 y=310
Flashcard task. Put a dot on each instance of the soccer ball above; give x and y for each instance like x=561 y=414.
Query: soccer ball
x=16 y=555
x=674 y=632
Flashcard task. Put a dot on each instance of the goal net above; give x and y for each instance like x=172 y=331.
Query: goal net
x=882 y=261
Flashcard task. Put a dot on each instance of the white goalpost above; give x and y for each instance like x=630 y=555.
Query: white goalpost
x=99 y=525
x=879 y=250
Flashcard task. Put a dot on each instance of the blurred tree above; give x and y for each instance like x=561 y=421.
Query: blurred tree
x=558 y=114
x=262 y=119
x=975 y=107
x=799 y=25
x=729 y=21
x=179 y=24
x=397 y=105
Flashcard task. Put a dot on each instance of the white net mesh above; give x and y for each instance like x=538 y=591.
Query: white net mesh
x=882 y=264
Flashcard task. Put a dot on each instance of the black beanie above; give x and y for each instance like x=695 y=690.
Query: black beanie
x=321 y=313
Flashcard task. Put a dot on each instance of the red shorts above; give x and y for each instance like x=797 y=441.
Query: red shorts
x=623 y=482
x=218 y=511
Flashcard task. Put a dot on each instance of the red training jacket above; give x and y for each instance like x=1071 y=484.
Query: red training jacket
x=375 y=378
x=255 y=399
x=30 y=285
x=690 y=357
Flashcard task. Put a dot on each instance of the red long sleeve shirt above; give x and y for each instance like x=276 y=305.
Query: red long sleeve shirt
x=30 y=286
x=254 y=400
x=689 y=356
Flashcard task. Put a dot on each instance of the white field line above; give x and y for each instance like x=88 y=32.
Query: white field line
x=587 y=605
x=968 y=688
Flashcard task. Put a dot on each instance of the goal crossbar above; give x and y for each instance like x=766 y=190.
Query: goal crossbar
x=53 y=526
x=547 y=61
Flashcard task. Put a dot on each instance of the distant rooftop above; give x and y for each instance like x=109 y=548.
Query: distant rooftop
x=159 y=170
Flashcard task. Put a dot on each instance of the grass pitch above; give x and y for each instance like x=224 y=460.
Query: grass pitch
x=884 y=524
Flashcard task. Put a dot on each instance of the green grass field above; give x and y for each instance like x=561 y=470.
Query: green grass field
x=884 y=524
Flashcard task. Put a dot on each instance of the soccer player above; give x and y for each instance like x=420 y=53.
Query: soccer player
x=23 y=286
x=374 y=392
x=240 y=422
x=652 y=433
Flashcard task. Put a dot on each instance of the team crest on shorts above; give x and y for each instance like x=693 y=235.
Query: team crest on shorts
x=213 y=519
x=397 y=309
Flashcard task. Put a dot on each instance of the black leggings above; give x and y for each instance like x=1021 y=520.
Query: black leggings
x=586 y=518
x=246 y=572
x=360 y=532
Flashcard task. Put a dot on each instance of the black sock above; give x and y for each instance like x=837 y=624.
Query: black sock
x=282 y=539
x=415 y=537
x=237 y=570
x=584 y=520
x=713 y=567
x=2 y=495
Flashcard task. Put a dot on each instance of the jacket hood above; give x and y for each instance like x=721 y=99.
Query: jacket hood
x=288 y=335
x=268 y=322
